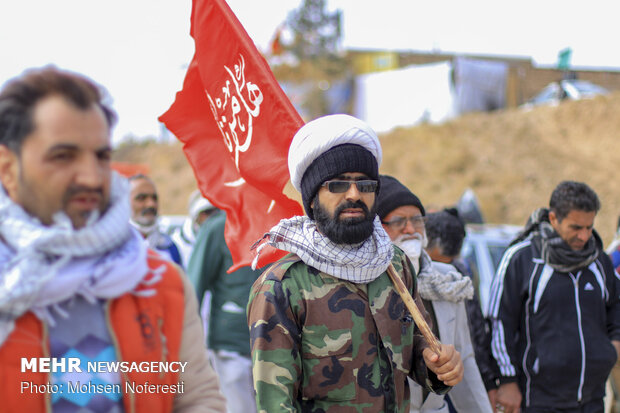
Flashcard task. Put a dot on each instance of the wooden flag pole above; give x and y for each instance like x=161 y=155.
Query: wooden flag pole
x=414 y=310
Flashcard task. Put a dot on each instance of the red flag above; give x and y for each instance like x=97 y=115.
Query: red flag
x=129 y=169
x=236 y=124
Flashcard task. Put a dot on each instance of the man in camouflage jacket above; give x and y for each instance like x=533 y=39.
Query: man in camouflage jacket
x=329 y=332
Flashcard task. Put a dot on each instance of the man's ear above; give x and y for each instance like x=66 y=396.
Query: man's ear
x=9 y=170
x=553 y=219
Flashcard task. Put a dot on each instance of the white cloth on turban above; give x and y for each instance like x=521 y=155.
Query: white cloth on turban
x=318 y=136
x=197 y=204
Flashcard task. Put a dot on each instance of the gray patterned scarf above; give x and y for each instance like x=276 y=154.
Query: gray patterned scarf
x=443 y=282
x=436 y=280
x=358 y=263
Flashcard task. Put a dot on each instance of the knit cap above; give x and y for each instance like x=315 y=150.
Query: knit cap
x=393 y=194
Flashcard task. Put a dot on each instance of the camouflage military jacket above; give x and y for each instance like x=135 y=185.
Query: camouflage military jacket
x=321 y=344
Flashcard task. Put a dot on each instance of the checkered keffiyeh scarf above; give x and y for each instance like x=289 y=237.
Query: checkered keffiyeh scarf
x=358 y=263
x=41 y=266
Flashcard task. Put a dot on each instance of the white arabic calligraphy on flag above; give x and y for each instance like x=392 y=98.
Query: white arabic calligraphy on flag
x=234 y=112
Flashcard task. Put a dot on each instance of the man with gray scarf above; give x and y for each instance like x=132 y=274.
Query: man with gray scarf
x=328 y=330
x=555 y=310
x=443 y=290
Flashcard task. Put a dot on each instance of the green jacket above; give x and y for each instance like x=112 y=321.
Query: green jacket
x=210 y=259
x=321 y=344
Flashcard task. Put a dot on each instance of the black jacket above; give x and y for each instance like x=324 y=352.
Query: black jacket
x=552 y=331
x=479 y=330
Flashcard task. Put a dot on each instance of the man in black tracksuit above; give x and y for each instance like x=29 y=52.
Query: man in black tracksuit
x=555 y=310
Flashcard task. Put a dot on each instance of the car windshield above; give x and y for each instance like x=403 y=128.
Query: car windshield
x=497 y=252
x=549 y=93
x=587 y=88
x=572 y=89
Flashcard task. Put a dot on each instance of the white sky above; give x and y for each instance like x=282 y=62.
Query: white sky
x=139 y=49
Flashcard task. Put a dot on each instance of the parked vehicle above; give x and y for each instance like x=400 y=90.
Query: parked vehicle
x=483 y=248
x=572 y=89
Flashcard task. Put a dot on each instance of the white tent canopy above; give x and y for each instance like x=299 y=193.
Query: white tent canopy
x=405 y=97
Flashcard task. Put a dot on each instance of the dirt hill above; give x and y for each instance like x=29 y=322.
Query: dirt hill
x=512 y=159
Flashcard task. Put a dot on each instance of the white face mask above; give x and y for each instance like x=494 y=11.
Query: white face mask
x=412 y=244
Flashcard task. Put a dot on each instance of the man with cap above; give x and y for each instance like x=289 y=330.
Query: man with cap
x=398 y=207
x=199 y=209
x=443 y=291
x=328 y=330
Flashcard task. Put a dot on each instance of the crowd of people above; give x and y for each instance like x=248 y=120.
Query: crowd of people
x=87 y=274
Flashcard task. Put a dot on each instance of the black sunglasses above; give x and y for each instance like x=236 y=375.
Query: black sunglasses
x=338 y=186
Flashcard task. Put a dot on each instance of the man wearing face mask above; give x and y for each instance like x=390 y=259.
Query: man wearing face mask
x=328 y=330
x=555 y=310
x=144 y=217
x=443 y=291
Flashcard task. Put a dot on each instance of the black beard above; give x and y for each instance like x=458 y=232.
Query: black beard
x=348 y=230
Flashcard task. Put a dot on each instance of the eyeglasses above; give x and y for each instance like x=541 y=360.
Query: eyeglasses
x=400 y=222
x=338 y=187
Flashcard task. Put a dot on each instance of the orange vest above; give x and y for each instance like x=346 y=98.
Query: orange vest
x=142 y=329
